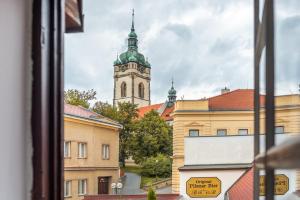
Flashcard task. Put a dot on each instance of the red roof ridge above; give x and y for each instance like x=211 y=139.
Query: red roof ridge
x=227 y=93
x=152 y=105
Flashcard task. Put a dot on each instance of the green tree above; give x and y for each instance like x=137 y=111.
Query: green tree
x=106 y=110
x=152 y=135
x=151 y=194
x=79 y=98
x=127 y=114
x=159 y=166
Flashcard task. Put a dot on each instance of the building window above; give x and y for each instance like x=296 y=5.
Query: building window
x=67 y=149
x=222 y=132
x=279 y=129
x=193 y=133
x=82 y=185
x=67 y=188
x=141 y=90
x=123 y=89
x=243 y=132
x=105 y=152
x=82 y=150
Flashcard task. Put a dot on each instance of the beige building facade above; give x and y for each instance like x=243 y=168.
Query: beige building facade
x=91 y=153
x=229 y=114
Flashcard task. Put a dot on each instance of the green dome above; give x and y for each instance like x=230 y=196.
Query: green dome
x=132 y=54
x=132 y=34
x=132 y=59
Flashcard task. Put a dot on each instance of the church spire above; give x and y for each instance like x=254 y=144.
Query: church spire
x=172 y=95
x=132 y=24
x=132 y=37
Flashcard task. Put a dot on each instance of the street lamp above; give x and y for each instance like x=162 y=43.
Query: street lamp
x=117 y=187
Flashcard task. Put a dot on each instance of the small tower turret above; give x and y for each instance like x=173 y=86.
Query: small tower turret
x=172 y=95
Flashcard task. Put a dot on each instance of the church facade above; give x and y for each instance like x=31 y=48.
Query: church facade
x=132 y=74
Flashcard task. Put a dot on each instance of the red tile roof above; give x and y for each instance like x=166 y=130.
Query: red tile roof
x=241 y=99
x=79 y=111
x=143 y=110
x=166 y=115
x=242 y=189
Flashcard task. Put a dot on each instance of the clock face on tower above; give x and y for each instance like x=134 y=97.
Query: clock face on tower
x=141 y=68
x=123 y=68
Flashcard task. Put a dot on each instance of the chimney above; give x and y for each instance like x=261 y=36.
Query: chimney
x=225 y=90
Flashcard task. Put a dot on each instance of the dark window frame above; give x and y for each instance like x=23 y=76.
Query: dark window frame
x=264 y=38
x=47 y=99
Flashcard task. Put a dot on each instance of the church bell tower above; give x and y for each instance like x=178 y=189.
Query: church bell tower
x=132 y=74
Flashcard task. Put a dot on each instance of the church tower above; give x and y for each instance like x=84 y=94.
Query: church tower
x=132 y=74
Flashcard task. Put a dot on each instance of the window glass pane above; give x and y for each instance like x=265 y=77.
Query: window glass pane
x=243 y=132
x=82 y=186
x=82 y=150
x=105 y=151
x=221 y=132
x=67 y=188
x=279 y=129
x=67 y=147
x=193 y=133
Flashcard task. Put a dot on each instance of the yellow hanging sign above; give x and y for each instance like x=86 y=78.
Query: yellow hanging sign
x=281 y=185
x=203 y=187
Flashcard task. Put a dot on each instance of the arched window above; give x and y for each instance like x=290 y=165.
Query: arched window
x=141 y=90
x=123 y=90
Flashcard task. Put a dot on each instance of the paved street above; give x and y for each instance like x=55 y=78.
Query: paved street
x=132 y=185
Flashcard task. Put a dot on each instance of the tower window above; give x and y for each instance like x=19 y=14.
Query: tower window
x=123 y=89
x=141 y=90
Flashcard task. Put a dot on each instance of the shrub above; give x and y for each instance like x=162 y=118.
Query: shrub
x=151 y=194
x=159 y=165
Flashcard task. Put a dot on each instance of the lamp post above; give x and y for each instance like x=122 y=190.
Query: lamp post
x=156 y=161
x=117 y=188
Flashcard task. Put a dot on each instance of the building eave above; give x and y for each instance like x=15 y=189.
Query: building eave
x=74 y=18
x=94 y=121
x=215 y=167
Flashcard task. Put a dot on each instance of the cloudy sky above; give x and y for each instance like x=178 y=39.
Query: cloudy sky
x=204 y=44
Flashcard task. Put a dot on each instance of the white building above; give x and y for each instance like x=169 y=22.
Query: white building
x=209 y=159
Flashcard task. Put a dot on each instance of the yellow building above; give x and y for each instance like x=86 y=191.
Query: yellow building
x=230 y=113
x=91 y=152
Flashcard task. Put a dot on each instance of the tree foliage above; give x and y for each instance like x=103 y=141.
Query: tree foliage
x=152 y=135
x=151 y=194
x=106 y=110
x=160 y=165
x=79 y=98
x=127 y=113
